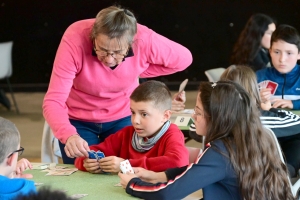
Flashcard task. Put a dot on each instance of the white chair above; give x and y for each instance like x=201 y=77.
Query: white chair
x=50 y=151
x=296 y=185
x=214 y=75
x=6 y=66
x=193 y=153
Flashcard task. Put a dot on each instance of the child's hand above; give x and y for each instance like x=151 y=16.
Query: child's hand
x=266 y=105
x=92 y=166
x=125 y=178
x=282 y=103
x=110 y=163
x=265 y=94
x=178 y=101
x=22 y=165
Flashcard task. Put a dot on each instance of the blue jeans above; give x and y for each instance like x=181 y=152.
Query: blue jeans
x=94 y=133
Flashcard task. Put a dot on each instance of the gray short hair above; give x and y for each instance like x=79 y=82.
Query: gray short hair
x=115 y=22
x=9 y=138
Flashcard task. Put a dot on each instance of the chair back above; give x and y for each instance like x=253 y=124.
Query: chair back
x=295 y=187
x=6 y=59
x=193 y=153
x=214 y=75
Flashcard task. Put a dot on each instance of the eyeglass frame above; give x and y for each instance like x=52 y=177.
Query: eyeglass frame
x=111 y=54
x=197 y=114
x=19 y=151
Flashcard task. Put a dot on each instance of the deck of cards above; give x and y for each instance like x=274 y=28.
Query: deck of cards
x=268 y=84
x=126 y=167
x=96 y=154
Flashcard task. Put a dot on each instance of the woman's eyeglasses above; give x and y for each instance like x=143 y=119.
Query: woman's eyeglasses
x=19 y=151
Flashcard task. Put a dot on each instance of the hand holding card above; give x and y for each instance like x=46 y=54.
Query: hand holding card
x=273 y=86
x=96 y=155
x=126 y=167
x=182 y=85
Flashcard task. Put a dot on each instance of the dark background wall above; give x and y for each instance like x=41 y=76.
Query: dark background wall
x=208 y=28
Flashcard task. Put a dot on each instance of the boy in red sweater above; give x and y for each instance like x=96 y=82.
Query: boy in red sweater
x=152 y=142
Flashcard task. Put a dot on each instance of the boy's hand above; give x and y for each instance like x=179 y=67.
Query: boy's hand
x=178 y=101
x=92 y=166
x=110 y=163
x=282 y=103
x=76 y=147
x=125 y=178
x=266 y=105
x=265 y=94
x=22 y=165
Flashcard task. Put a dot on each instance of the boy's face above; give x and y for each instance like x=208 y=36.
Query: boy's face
x=146 y=119
x=284 y=56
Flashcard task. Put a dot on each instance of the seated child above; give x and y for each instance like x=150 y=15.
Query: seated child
x=284 y=52
x=12 y=182
x=240 y=161
x=283 y=123
x=152 y=142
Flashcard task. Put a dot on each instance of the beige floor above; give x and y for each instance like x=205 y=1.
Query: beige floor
x=30 y=121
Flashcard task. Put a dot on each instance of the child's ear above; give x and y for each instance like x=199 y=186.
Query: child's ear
x=10 y=160
x=167 y=115
x=298 y=56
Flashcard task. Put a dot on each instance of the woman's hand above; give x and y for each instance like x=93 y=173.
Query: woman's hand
x=76 y=147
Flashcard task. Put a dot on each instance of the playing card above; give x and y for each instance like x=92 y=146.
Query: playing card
x=182 y=85
x=118 y=185
x=273 y=86
x=78 y=196
x=126 y=167
x=96 y=155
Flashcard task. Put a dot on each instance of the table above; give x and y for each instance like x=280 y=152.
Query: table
x=97 y=186
x=184 y=129
x=296 y=112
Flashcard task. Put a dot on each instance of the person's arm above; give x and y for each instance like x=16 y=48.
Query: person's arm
x=170 y=152
x=111 y=146
x=55 y=109
x=211 y=168
x=282 y=122
x=163 y=55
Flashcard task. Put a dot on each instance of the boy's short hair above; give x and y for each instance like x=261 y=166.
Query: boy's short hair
x=154 y=91
x=9 y=138
x=286 y=33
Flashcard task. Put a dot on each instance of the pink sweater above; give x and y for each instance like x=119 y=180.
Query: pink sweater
x=82 y=88
x=168 y=152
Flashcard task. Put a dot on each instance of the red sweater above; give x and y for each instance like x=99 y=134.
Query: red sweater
x=168 y=152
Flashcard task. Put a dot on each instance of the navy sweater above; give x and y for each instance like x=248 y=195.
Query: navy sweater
x=212 y=171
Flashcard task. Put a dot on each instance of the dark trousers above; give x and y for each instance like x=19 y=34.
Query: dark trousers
x=94 y=133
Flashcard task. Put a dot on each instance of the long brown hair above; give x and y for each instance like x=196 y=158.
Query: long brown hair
x=249 y=41
x=233 y=117
x=245 y=76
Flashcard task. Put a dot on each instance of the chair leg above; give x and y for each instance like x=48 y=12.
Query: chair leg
x=12 y=95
